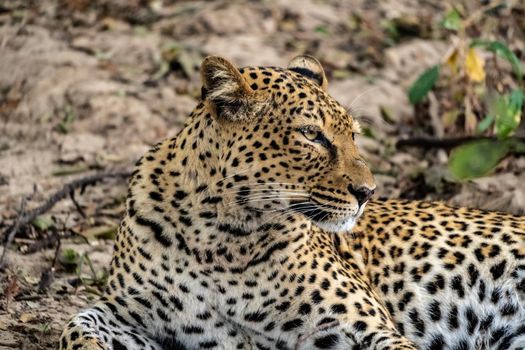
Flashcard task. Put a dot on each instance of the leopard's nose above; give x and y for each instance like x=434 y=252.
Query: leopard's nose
x=361 y=194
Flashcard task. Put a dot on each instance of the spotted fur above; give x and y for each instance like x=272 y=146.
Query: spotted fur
x=236 y=237
x=452 y=278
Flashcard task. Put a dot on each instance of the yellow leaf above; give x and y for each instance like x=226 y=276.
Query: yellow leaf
x=32 y=279
x=26 y=317
x=452 y=61
x=474 y=66
x=449 y=118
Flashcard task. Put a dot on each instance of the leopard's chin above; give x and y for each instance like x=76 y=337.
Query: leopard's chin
x=328 y=220
x=337 y=226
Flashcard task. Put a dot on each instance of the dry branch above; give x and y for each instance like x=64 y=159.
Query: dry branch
x=67 y=190
x=11 y=232
x=445 y=143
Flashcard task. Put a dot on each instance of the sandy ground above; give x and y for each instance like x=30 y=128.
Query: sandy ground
x=87 y=86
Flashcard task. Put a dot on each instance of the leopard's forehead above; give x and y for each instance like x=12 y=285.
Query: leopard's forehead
x=300 y=96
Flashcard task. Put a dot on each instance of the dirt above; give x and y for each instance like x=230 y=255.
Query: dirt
x=87 y=86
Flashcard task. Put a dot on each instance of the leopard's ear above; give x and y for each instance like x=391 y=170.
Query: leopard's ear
x=226 y=91
x=311 y=68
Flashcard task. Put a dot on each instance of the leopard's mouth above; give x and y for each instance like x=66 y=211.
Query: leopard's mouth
x=326 y=217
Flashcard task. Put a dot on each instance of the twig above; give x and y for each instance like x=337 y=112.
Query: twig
x=79 y=208
x=25 y=218
x=28 y=297
x=57 y=250
x=11 y=232
x=11 y=290
x=446 y=143
x=435 y=119
x=48 y=275
x=47 y=242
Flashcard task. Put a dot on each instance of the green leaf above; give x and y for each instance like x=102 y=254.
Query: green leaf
x=503 y=51
x=69 y=118
x=452 y=20
x=514 y=107
x=518 y=147
x=69 y=259
x=386 y=115
x=516 y=99
x=42 y=223
x=368 y=132
x=507 y=112
x=423 y=84
x=485 y=123
x=476 y=159
x=69 y=255
x=322 y=29
x=391 y=30
x=500 y=110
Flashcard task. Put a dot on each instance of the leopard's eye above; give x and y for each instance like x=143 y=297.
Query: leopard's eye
x=353 y=136
x=313 y=134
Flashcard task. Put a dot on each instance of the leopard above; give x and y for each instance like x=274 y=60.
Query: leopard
x=248 y=230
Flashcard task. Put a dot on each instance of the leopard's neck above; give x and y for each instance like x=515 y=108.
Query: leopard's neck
x=179 y=195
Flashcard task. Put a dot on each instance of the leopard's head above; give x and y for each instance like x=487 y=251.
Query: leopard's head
x=285 y=144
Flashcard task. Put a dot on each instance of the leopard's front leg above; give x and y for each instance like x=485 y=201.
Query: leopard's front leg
x=352 y=336
x=107 y=327
x=102 y=327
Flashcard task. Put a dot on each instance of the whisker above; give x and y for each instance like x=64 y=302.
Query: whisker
x=241 y=188
x=270 y=196
x=280 y=215
x=265 y=191
x=319 y=207
x=264 y=199
x=366 y=91
x=249 y=184
x=285 y=212
x=282 y=212
x=291 y=206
